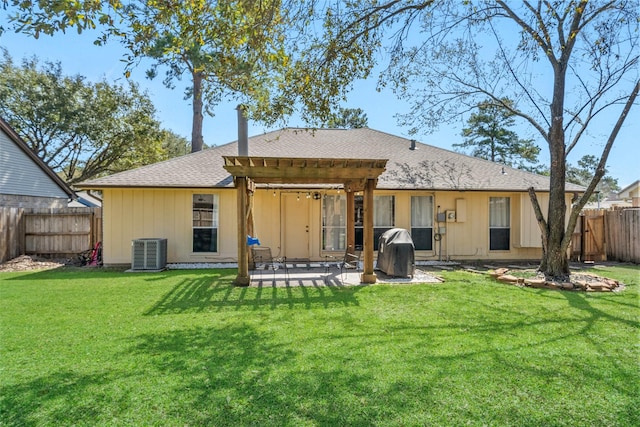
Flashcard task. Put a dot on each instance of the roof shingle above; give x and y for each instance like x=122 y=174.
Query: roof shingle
x=425 y=167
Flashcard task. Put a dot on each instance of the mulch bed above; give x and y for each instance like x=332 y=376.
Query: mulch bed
x=27 y=263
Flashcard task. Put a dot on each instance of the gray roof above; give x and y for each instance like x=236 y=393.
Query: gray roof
x=425 y=167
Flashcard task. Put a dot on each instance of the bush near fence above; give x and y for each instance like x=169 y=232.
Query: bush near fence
x=58 y=232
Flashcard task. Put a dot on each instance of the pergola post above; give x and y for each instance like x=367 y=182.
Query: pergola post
x=351 y=229
x=368 y=275
x=243 y=278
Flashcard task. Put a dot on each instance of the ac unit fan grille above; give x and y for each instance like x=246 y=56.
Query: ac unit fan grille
x=149 y=254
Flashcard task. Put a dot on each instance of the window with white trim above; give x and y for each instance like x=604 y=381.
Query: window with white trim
x=205 y=222
x=422 y=222
x=499 y=223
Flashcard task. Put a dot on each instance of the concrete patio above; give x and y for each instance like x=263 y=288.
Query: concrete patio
x=317 y=274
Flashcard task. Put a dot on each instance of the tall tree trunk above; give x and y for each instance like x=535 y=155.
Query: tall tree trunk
x=196 y=129
x=555 y=262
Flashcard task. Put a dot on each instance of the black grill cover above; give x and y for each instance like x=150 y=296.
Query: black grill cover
x=396 y=253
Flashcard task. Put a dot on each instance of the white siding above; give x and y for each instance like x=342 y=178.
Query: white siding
x=19 y=175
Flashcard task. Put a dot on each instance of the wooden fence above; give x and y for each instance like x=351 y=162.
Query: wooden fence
x=63 y=232
x=612 y=235
x=622 y=234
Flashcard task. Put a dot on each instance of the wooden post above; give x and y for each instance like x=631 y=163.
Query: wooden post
x=243 y=255
x=351 y=229
x=368 y=276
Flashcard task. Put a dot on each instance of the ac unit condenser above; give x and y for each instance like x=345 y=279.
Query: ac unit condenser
x=148 y=254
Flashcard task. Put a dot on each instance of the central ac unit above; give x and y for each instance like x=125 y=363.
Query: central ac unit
x=148 y=254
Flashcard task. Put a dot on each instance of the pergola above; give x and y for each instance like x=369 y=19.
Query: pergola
x=353 y=174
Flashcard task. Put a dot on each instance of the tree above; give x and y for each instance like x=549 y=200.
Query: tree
x=348 y=118
x=47 y=18
x=175 y=145
x=81 y=130
x=489 y=137
x=583 y=173
x=571 y=62
x=230 y=47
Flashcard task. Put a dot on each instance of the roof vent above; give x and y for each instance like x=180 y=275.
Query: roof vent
x=413 y=145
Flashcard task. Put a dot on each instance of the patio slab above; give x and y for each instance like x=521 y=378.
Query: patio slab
x=316 y=275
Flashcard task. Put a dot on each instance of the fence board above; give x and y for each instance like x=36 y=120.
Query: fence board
x=47 y=232
x=622 y=227
x=11 y=233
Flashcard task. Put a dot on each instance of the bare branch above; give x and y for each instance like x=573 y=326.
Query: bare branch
x=600 y=170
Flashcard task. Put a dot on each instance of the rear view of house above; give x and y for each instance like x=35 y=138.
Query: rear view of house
x=455 y=206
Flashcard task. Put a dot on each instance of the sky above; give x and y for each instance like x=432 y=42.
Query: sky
x=78 y=55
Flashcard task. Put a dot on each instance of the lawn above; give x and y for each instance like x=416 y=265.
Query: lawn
x=98 y=347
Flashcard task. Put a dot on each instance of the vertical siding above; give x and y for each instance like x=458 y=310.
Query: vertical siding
x=267 y=218
x=165 y=213
x=530 y=231
x=142 y=213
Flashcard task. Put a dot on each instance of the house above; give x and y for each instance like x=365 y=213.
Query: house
x=626 y=198
x=455 y=206
x=25 y=180
x=631 y=194
x=86 y=199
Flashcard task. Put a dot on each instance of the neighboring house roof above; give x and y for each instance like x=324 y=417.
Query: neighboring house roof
x=424 y=167
x=23 y=172
x=631 y=190
x=86 y=200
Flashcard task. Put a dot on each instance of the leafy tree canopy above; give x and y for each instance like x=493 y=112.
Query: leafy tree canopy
x=227 y=49
x=583 y=173
x=80 y=129
x=348 y=118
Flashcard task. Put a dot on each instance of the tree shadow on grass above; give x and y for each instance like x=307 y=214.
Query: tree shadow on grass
x=60 y=398
x=241 y=376
x=215 y=293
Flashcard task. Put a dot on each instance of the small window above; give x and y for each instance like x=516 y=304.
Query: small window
x=422 y=222
x=205 y=223
x=499 y=223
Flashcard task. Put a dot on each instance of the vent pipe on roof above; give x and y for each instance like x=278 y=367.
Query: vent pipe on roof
x=243 y=137
x=413 y=145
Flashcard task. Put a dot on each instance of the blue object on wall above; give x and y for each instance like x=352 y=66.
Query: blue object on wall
x=252 y=241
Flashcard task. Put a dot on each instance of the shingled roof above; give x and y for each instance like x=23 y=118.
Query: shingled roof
x=423 y=167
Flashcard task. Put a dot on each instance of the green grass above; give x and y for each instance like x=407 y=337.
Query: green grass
x=91 y=347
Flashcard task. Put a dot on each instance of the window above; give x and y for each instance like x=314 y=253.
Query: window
x=422 y=222
x=383 y=218
x=499 y=223
x=205 y=223
x=334 y=209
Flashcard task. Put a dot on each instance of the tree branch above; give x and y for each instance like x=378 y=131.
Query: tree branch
x=600 y=170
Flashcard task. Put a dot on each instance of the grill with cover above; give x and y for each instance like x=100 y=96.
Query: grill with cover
x=396 y=253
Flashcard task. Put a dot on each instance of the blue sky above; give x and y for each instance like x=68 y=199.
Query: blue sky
x=78 y=55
